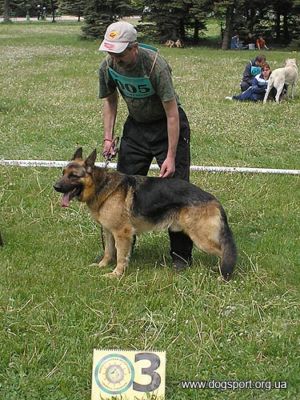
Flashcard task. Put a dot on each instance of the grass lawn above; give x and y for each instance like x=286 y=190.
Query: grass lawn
x=55 y=309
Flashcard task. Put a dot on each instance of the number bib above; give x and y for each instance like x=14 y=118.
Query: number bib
x=133 y=87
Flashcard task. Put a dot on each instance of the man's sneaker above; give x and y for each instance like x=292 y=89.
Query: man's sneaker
x=228 y=98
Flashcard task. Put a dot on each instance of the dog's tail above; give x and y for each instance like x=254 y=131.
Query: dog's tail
x=229 y=250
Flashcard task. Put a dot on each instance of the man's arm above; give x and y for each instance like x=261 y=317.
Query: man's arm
x=247 y=72
x=110 y=107
x=168 y=166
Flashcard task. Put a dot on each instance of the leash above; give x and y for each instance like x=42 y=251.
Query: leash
x=113 y=146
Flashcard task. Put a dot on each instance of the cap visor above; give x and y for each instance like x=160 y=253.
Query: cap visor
x=113 y=47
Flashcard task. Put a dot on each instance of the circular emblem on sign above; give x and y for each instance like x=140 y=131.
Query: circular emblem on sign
x=114 y=374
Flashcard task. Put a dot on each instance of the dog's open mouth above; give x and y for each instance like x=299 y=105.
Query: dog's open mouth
x=67 y=197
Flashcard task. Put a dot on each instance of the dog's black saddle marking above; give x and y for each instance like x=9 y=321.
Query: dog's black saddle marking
x=155 y=198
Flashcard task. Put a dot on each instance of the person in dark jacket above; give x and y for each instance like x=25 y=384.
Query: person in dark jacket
x=257 y=90
x=252 y=69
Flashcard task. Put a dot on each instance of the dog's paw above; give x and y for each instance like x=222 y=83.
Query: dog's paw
x=94 y=265
x=103 y=263
x=113 y=275
x=100 y=264
x=224 y=279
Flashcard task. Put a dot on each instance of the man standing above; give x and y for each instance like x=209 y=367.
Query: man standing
x=156 y=126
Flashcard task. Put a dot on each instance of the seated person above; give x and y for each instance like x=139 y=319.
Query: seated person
x=235 y=42
x=251 y=70
x=257 y=90
x=261 y=43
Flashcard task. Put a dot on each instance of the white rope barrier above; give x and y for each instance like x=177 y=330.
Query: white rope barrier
x=60 y=164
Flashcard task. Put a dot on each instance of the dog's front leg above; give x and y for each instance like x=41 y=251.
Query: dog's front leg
x=292 y=90
x=109 y=249
x=123 y=243
x=267 y=94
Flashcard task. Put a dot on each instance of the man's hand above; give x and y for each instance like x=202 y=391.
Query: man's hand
x=168 y=168
x=109 y=148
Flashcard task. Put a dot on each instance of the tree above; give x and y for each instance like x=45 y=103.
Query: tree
x=283 y=8
x=53 y=8
x=275 y=19
x=198 y=14
x=73 y=7
x=99 y=14
x=6 y=10
x=168 y=17
x=173 y=19
x=20 y=8
x=225 y=10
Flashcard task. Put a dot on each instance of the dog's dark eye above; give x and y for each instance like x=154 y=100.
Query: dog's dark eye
x=73 y=175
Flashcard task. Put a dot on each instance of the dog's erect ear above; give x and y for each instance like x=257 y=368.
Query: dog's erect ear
x=77 y=154
x=90 y=161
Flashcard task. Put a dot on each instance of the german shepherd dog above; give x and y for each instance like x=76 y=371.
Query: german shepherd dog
x=126 y=205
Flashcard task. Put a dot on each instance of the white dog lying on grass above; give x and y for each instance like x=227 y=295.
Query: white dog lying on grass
x=279 y=77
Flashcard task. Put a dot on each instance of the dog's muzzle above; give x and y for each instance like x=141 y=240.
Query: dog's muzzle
x=69 y=192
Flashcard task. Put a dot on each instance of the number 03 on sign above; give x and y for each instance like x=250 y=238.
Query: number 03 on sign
x=128 y=375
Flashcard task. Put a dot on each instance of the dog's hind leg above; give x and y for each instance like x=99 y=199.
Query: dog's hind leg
x=223 y=247
x=123 y=243
x=292 y=90
x=278 y=93
x=209 y=230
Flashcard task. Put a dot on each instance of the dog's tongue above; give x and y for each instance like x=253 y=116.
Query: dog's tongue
x=65 y=200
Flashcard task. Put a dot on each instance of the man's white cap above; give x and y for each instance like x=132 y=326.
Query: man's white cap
x=117 y=37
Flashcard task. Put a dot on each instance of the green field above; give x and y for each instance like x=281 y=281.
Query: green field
x=55 y=309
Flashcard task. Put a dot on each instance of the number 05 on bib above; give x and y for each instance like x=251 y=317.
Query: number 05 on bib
x=128 y=375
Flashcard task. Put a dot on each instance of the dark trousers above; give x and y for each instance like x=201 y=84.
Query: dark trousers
x=140 y=143
x=245 y=85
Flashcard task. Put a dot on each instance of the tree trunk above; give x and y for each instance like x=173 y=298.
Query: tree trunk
x=228 y=27
x=277 y=26
x=286 y=33
x=6 y=11
x=181 y=30
x=196 y=32
x=53 y=11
